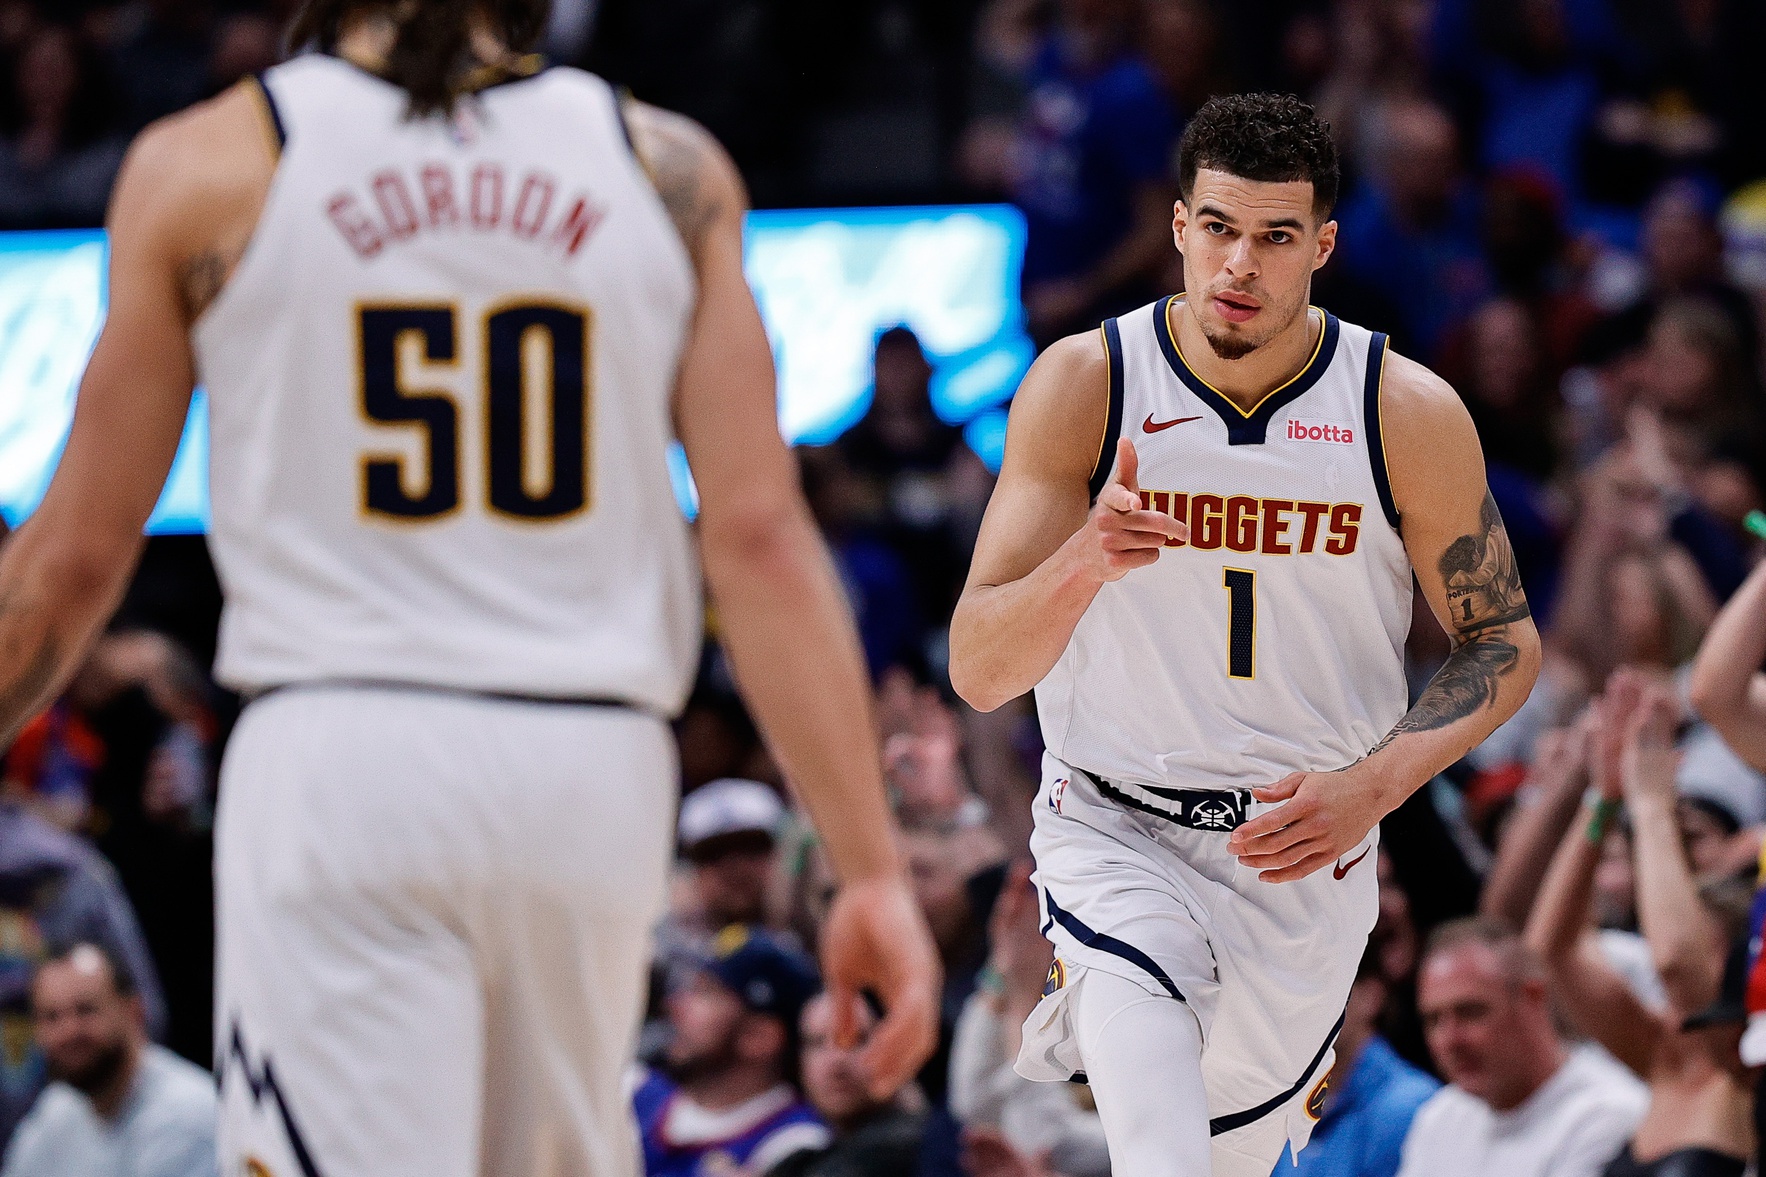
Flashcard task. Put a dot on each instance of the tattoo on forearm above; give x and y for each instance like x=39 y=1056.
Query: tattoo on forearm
x=1484 y=597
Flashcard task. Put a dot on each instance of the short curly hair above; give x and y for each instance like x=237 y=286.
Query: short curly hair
x=1273 y=138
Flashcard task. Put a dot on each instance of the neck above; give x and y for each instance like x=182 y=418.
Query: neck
x=1541 y=1063
x=1248 y=379
x=109 y=1099
x=367 y=40
x=726 y=1089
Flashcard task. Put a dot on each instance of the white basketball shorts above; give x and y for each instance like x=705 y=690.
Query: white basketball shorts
x=1265 y=967
x=433 y=933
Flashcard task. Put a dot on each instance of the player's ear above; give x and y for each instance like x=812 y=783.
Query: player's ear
x=1327 y=243
x=1180 y=219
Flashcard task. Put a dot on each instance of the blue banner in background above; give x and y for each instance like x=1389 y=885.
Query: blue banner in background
x=828 y=282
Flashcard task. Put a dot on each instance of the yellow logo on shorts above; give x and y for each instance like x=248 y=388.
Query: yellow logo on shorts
x=1057 y=978
x=1316 y=1099
x=257 y=1168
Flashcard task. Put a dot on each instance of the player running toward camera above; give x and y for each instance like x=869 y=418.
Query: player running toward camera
x=1211 y=603
x=450 y=309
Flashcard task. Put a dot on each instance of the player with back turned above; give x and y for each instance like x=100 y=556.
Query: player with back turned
x=450 y=308
x=1200 y=556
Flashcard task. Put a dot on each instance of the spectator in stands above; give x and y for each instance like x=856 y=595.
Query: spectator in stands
x=871 y=1138
x=724 y=1101
x=120 y=1106
x=729 y=831
x=1056 y=1120
x=1700 y=1094
x=1373 y=1094
x=1093 y=159
x=1522 y=1101
x=1410 y=229
x=55 y=889
x=58 y=152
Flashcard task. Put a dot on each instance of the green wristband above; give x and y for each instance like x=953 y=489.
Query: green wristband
x=1601 y=820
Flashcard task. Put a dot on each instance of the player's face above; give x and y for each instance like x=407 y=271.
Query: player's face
x=831 y=1076
x=705 y=1018
x=1249 y=249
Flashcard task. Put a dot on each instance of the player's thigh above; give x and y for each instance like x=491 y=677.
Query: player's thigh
x=349 y=1044
x=569 y=940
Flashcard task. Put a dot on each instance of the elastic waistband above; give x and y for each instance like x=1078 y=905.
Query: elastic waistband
x=374 y=684
x=1209 y=810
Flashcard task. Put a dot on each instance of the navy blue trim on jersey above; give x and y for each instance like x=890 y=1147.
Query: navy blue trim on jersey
x=1244 y=428
x=621 y=96
x=1113 y=422
x=1373 y=428
x=272 y=110
x=1110 y=944
x=1224 y=1124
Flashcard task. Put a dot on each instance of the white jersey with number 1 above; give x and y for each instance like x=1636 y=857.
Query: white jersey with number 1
x=1272 y=639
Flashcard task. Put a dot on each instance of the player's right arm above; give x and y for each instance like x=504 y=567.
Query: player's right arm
x=783 y=616
x=1045 y=550
x=187 y=186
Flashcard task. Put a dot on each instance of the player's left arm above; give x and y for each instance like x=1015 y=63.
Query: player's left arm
x=64 y=571
x=1466 y=568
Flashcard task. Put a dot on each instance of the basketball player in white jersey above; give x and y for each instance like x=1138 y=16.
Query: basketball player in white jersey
x=1200 y=555
x=450 y=309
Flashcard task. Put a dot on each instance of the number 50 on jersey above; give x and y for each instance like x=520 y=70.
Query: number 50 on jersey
x=534 y=394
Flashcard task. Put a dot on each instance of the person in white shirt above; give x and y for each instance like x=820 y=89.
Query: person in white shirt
x=121 y=1106
x=1522 y=1101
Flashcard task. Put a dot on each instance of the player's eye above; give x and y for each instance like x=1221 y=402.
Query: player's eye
x=1215 y=227
x=1279 y=237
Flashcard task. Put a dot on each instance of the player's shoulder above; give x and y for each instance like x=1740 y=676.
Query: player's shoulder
x=1411 y=390
x=1061 y=408
x=186 y=164
x=690 y=170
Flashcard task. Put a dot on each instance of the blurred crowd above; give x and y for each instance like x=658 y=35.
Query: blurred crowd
x=1559 y=204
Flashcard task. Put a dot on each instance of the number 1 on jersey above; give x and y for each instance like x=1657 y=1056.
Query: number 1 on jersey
x=1241 y=642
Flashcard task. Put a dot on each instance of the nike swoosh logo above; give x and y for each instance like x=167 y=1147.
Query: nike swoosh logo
x=1340 y=870
x=1153 y=426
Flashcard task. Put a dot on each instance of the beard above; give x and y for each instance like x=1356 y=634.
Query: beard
x=714 y=1060
x=1234 y=345
x=95 y=1073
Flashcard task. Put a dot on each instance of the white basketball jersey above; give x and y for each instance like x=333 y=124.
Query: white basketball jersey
x=439 y=400
x=1272 y=639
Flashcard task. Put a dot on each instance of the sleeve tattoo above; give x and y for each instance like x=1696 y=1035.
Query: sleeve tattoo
x=1483 y=598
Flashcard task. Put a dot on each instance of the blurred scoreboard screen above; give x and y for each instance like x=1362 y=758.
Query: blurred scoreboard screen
x=828 y=281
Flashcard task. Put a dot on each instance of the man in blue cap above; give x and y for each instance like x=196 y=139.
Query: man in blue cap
x=726 y=1102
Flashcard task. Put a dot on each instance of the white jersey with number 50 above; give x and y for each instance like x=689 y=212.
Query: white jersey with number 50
x=439 y=398
x=1273 y=639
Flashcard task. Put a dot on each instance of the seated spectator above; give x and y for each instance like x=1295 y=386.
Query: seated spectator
x=1373 y=1094
x=726 y=1100
x=55 y=889
x=1700 y=1095
x=729 y=832
x=872 y=1137
x=58 y=154
x=120 y=1106
x=1522 y=1101
x=1410 y=229
x=1056 y=1120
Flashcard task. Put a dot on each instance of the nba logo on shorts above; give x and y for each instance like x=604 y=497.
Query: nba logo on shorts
x=1056 y=793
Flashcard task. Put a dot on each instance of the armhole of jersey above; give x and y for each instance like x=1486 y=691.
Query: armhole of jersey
x=1106 y=462
x=622 y=99
x=272 y=114
x=1373 y=428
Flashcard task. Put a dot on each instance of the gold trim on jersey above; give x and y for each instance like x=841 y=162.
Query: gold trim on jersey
x=1317 y=346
